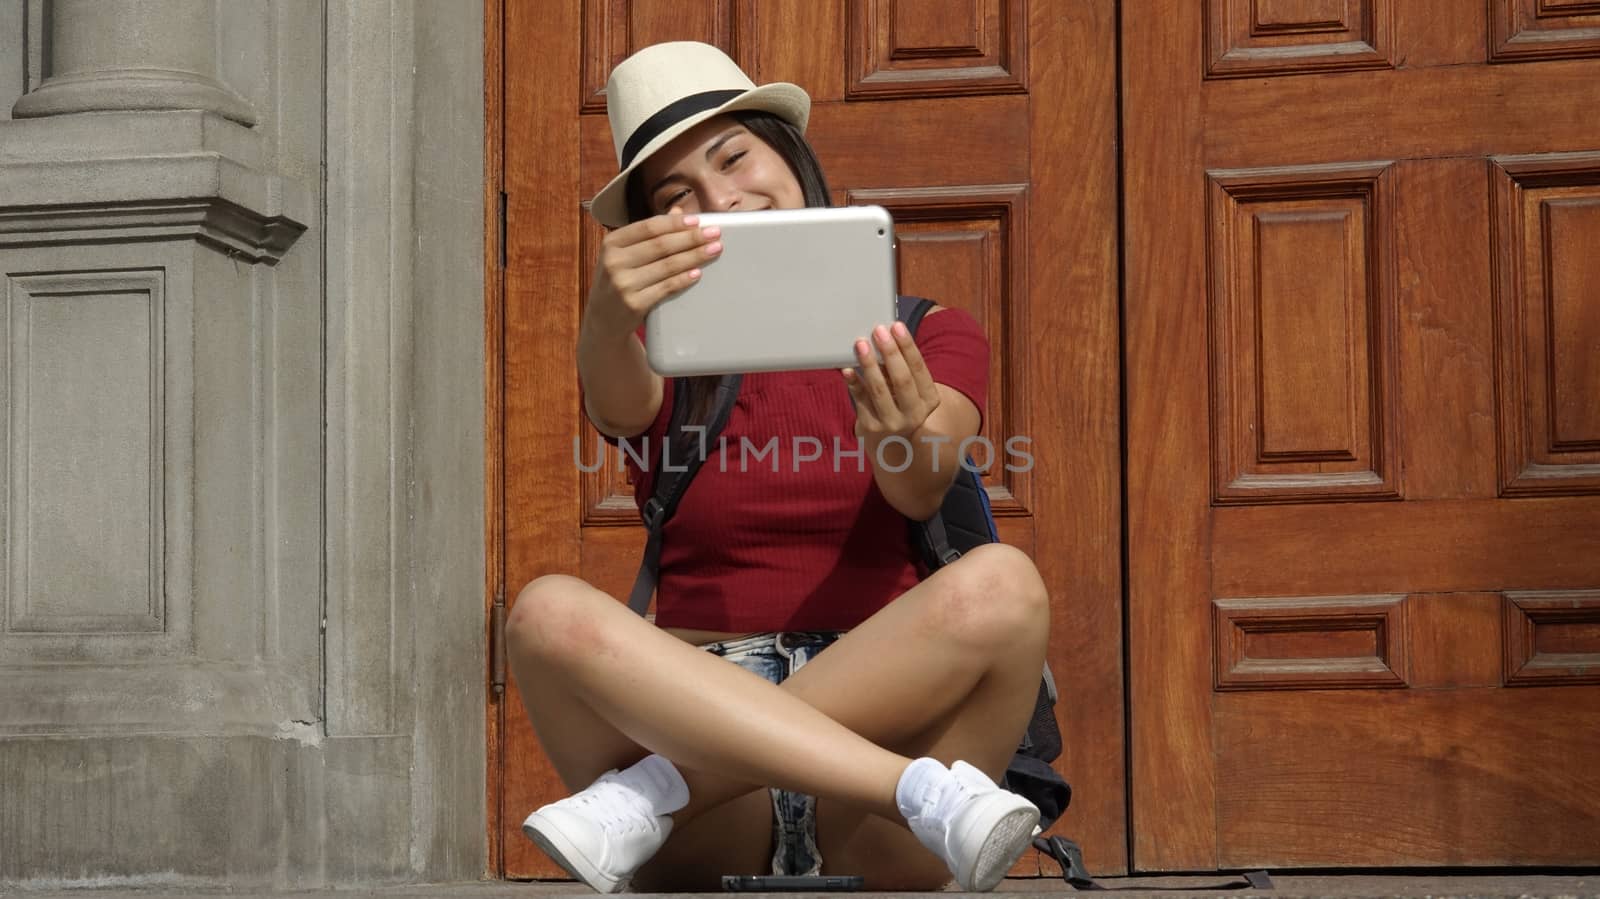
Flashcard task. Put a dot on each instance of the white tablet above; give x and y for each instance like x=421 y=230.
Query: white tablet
x=792 y=289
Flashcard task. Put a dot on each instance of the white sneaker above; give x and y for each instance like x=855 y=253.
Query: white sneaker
x=600 y=835
x=979 y=829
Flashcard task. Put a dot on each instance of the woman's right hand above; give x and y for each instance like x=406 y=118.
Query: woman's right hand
x=643 y=263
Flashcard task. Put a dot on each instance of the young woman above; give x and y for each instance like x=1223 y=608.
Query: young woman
x=877 y=756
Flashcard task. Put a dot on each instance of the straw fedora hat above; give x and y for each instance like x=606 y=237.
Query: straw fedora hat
x=664 y=90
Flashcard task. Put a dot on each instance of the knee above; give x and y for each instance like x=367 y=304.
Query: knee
x=551 y=621
x=993 y=595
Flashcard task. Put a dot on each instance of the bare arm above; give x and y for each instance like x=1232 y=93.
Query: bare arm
x=918 y=490
x=898 y=405
x=640 y=265
x=621 y=395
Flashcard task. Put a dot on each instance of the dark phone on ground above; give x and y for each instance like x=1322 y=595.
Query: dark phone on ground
x=782 y=883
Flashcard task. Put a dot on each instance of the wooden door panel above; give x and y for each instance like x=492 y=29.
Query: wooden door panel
x=613 y=29
x=1433 y=547
x=1408 y=113
x=1426 y=640
x=936 y=48
x=1309 y=642
x=1552 y=638
x=1546 y=218
x=1249 y=38
x=1447 y=777
x=1302 y=335
x=1525 y=30
x=962 y=245
x=1386 y=488
x=930 y=110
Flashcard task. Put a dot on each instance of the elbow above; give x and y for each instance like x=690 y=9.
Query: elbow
x=614 y=426
x=604 y=425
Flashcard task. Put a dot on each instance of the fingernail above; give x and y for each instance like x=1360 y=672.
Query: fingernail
x=881 y=333
x=710 y=232
x=900 y=329
x=691 y=220
x=694 y=274
x=713 y=249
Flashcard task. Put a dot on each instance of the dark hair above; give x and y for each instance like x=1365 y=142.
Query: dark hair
x=793 y=147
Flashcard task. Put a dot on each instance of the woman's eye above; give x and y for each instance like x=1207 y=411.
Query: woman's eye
x=668 y=201
x=733 y=158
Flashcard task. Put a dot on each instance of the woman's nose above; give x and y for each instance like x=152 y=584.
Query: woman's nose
x=721 y=195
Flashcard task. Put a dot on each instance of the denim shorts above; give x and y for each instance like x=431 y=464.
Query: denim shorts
x=775 y=656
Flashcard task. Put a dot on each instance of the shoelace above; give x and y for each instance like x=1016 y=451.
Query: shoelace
x=615 y=806
x=961 y=785
x=940 y=801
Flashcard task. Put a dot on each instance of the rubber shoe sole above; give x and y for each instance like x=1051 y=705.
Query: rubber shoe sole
x=1008 y=837
x=548 y=838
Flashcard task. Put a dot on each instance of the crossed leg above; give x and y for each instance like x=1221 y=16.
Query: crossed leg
x=948 y=669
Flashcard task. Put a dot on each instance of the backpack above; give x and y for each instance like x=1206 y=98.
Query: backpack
x=964 y=521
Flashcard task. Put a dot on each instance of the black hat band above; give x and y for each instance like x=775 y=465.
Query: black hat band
x=670 y=115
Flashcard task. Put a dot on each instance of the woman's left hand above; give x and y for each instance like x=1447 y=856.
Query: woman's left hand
x=893 y=397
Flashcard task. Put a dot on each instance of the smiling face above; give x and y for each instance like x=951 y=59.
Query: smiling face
x=718 y=166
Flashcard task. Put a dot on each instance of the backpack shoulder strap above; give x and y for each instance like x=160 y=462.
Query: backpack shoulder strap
x=911 y=310
x=684 y=448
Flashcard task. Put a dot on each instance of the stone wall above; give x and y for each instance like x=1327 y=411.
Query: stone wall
x=242 y=451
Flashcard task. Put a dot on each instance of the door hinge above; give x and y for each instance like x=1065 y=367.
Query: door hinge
x=497 y=642
x=502 y=229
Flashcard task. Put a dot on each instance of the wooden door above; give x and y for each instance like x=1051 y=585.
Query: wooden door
x=988 y=128
x=1363 y=380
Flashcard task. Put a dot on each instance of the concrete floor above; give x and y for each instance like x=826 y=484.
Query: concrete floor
x=1285 y=886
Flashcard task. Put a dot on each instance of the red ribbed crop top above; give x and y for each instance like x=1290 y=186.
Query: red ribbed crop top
x=783 y=527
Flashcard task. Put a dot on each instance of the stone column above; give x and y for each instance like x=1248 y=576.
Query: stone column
x=132 y=55
x=241 y=612
x=161 y=372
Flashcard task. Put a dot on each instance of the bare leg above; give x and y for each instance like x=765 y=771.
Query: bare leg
x=1007 y=635
x=679 y=701
x=736 y=836
x=960 y=654
x=954 y=666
